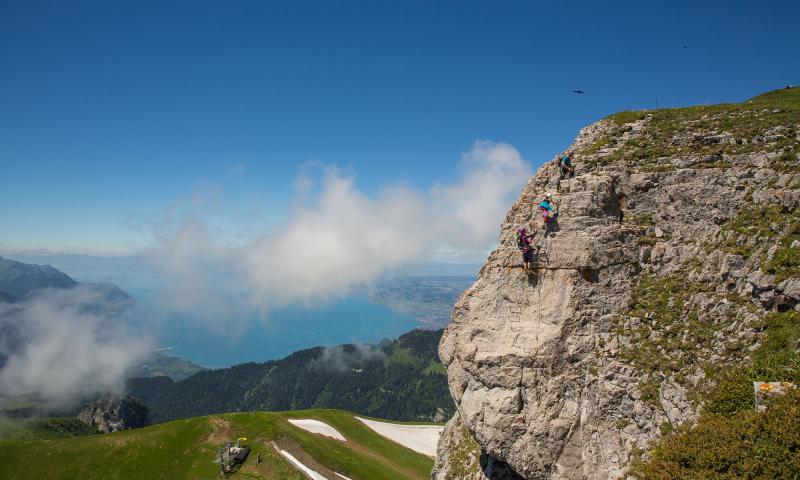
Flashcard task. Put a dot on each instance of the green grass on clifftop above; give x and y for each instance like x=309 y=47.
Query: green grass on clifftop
x=184 y=449
x=766 y=123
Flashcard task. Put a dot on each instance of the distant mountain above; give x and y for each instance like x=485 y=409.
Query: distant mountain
x=7 y=297
x=165 y=366
x=400 y=380
x=20 y=282
x=19 y=279
x=81 y=263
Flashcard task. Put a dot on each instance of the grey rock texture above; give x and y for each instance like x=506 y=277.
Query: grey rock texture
x=548 y=367
x=459 y=456
x=114 y=413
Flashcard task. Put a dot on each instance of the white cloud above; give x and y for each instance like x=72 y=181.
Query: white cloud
x=64 y=346
x=492 y=175
x=338 y=237
x=345 y=357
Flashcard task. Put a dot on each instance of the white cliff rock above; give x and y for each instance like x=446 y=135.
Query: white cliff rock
x=543 y=365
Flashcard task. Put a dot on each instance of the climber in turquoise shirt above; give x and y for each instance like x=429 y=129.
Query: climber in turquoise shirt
x=545 y=208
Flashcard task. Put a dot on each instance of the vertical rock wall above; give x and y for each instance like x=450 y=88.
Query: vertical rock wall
x=540 y=364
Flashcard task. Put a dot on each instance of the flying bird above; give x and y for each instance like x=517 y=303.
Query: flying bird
x=578 y=92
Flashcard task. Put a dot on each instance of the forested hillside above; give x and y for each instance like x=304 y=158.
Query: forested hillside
x=401 y=380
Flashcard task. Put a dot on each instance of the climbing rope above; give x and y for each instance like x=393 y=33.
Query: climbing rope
x=542 y=261
x=597 y=396
x=539 y=282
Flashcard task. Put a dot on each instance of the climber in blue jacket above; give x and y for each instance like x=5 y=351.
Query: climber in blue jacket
x=546 y=209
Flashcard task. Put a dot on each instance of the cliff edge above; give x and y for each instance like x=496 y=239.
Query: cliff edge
x=677 y=237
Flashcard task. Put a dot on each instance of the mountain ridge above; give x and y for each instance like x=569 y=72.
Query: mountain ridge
x=20 y=280
x=656 y=290
x=398 y=380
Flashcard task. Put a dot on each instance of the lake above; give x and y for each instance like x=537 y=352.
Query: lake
x=241 y=335
x=255 y=338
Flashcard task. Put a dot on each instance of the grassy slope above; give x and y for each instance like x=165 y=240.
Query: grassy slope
x=184 y=449
x=750 y=123
x=42 y=428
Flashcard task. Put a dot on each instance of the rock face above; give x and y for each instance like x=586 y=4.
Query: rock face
x=113 y=413
x=651 y=274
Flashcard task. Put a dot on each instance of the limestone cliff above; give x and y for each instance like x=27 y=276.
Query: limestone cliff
x=677 y=235
x=114 y=413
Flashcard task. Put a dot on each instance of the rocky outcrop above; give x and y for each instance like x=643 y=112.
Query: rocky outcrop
x=651 y=274
x=460 y=457
x=114 y=413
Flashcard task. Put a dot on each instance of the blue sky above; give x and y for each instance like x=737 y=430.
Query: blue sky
x=112 y=112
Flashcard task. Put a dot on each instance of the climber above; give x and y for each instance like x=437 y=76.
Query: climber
x=566 y=166
x=524 y=244
x=546 y=209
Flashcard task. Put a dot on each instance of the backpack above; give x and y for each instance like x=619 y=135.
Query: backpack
x=520 y=241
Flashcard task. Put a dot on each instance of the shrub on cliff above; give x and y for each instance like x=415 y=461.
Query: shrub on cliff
x=749 y=444
x=731 y=440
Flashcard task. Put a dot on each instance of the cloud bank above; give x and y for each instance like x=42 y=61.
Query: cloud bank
x=342 y=358
x=64 y=345
x=338 y=237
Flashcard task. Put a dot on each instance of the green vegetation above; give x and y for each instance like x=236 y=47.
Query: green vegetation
x=165 y=366
x=185 y=448
x=642 y=220
x=668 y=335
x=765 y=123
x=402 y=357
x=435 y=368
x=776 y=360
x=785 y=261
x=628 y=116
x=749 y=445
x=756 y=228
x=750 y=229
x=42 y=428
x=20 y=406
x=600 y=143
x=730 y=439
x=789 y=161
x=385 y=381
x=463 y=460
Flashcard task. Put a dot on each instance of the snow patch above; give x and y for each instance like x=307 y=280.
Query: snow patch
x=315 y=426
x=420 y=438
x=311 y=473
